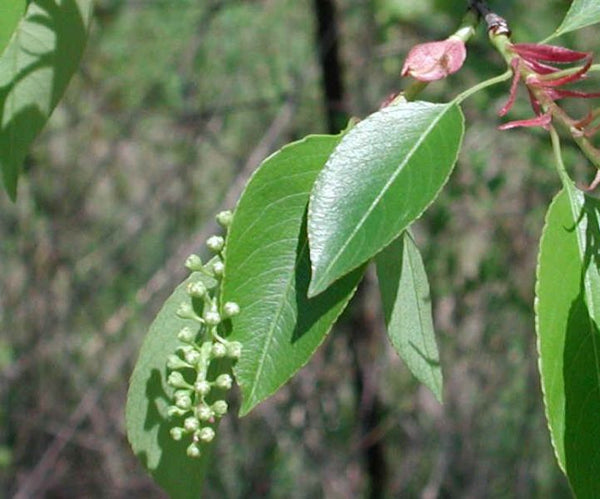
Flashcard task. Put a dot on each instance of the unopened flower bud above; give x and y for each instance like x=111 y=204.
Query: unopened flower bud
x=218 y=351
x=212 y=318
x=184 y=403
x=220 y=408
x=175 y=362
x=225 y=218
x=186 y=311
x=176 y=433
x=206 y=434
x=194 y=263
x=218 y=268
x=215 y=243
x=224 y=381
x=186 y=335
x=231 y=309
x=204 y=412
x=202 y=388
x=191 y=424
x=193 y=450
x=234 y=349
x=196 y=289
x=435 y=60
x=176 y=380
x=173 y=411
x=193 y=357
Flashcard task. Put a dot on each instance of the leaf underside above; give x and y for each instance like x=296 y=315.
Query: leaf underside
x=149 y=397
x=407 y=310
x=582 y=13
x=567 y=318
x=35 y=67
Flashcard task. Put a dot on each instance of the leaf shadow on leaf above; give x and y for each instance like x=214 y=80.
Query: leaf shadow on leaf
x=423 y=355
x=25 y=104
x=174 y=462
x=581 y=371
x=311 y=310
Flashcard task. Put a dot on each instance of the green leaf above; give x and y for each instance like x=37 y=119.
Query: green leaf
x=567 y=318
x=35 y=68
x=384 y=173
x=10 y=13
x=267 y=272
x=581 y=13
x=407 y=309
x=148 y=398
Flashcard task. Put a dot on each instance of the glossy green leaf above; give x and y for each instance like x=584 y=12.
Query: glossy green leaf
x=10 y=13
x=407 y=310
x=35 y=68
x=384 y=173
x=567 y=318
x=582 y=13
x=148 y=398
x=267 y=272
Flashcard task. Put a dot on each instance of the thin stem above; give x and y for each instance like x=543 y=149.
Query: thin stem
x=480 y=86
x=558 y=159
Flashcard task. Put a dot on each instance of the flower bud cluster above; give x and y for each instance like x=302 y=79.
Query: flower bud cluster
x=197 y=401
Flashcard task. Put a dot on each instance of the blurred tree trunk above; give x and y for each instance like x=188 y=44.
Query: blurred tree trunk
x=363 y=339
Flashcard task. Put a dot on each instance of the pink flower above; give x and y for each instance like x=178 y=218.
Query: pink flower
x=435 y=60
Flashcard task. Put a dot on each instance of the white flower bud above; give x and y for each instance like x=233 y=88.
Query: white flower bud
x=204 y=412
x=212 y=318
x=225 y=218
x=176 y=380
x=191 y=424
x=220 y=408
x=173 y=411
x=206 y=434
x=218 y=268
x=176 y=433
x=186 y=311
x=193 y=450
x=193 y=357
x=218 y=351
x=175 y=362
x=193 y=263
x=184 y=403
x=224 y=381
x=231 y=309
x=234 y=349
x=202 y=387
x=215 y=243
x=196 y=289
x=186 y=335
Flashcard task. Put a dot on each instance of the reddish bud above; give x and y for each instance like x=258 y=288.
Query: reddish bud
x=435 y=60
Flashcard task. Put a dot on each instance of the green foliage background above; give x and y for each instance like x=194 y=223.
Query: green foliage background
x=175 y=103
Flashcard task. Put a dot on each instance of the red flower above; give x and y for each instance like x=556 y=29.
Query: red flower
x=435 y=60
x=532 y=62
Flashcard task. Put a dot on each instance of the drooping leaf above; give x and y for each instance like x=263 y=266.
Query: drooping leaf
x=35 y=68
x=567 y=319
x=267 y=272
x=407 y=310
x=149 y=397
x=582 y=13
x=384 y=173
x=10 y=13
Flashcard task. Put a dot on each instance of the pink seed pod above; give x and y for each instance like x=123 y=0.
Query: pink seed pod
x=435 y=60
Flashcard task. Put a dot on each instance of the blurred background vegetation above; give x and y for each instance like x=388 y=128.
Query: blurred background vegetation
x=176 y=102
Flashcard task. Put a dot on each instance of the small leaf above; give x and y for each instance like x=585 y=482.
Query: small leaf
x=567 y=318
x=10 y=13
x=384 y=173
x=267 y=272
x=35 y=68
x=582 y=13
x=149 y=397
x=407 y=309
